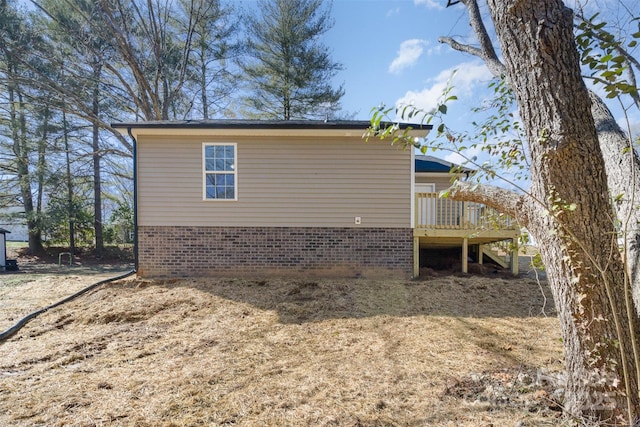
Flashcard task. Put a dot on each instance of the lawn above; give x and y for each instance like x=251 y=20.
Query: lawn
x=449 y=350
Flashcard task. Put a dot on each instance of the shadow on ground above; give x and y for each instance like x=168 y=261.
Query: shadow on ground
x=300 y=301
x=57 y=261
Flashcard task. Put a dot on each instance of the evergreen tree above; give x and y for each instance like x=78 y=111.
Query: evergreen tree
x=289 y=71
x=23 y=169
x=212 y=78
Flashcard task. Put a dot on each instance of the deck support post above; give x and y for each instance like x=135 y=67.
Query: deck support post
x=465 y=255
x=416 y=257
x=480 y=253
x=514 y=257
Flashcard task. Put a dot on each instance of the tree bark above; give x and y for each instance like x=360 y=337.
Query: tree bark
x=69 y=182
x=41 y=166
x=569 y=210
x=97 y=156
x=21 y=151
x=623 y=179
x=621 y=164
x=203 y=83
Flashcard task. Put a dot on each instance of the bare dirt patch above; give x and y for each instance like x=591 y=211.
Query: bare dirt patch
x=447 y=351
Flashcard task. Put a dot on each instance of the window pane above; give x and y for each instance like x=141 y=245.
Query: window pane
x=218 y=151
x=219 y=165
x=211 y=192
x=208 y=151
x=220 y=193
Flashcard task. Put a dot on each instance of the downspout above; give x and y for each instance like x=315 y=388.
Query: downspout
x=4 y=237
x=135 y=199
x=22 y=322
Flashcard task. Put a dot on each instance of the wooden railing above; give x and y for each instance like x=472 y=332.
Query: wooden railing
x=434 y=212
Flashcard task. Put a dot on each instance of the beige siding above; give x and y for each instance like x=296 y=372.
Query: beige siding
x=289 y=181
x=442 y=181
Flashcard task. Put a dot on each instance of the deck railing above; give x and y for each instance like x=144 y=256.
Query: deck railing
x=433 y=212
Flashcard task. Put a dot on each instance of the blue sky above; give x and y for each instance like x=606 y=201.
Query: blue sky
x=391 y=54
x=390 y=51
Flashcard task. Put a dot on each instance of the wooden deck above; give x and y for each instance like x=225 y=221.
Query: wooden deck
x=447 y=223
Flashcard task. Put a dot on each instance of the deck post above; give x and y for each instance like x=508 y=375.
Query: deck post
x=416 y=210
x=465 y=255
x=416 y=257
x=463 y=217
x=514 y=257
x=480 y=253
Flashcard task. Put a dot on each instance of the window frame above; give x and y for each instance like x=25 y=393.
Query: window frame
x=206 y=172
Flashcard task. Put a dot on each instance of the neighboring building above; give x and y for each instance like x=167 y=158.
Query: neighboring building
x=13 y=220
x=3 y=249
x=283 y=198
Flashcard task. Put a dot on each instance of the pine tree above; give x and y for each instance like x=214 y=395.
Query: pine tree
x=289 y=71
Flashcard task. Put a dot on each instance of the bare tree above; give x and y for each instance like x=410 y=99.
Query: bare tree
x=213 y=80
x=17 y=37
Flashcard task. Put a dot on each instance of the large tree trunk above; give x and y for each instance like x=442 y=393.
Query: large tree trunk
x=21 y=151
x=97 y=157
x=568 y=210
x=622 y=165
x=69 y=181
x=41 y=166
x=623 y=176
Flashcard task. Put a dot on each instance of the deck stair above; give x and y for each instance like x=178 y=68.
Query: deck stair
x=494 y=256
x=445 y=223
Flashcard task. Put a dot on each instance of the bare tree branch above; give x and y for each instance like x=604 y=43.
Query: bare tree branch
x=486 y=51
x=506 y=201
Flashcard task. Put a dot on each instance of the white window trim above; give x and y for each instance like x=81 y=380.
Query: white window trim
x=204 y=171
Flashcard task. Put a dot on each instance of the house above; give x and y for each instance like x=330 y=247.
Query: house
x=13 y=218
x=283 y=198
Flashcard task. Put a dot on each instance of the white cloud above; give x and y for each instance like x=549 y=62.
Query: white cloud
x=435 y=50
x=459 y=159
x=408 y=54
x=468 y=76
x=431 y=4
x=392 y=12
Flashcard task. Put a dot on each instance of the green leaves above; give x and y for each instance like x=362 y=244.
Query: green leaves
x=606 y=56
x=289 y=69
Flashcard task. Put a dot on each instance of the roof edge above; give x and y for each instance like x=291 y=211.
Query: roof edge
x=260 y=124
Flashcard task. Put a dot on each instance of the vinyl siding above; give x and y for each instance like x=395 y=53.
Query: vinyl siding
x=442 y=182
x=287 y=181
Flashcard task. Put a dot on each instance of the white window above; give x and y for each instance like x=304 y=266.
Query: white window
x=220 y=172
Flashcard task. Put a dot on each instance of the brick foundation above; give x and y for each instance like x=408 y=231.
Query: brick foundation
x=274 y=251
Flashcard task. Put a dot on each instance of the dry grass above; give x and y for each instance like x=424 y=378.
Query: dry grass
x=448 y=351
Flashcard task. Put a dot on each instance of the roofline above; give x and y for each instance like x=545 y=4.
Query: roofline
x=446 y=163
x=260 y=124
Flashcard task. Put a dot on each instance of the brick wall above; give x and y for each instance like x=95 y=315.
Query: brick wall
x=274 y=251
